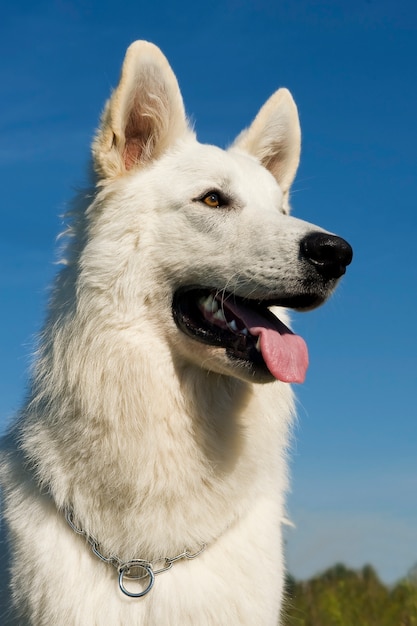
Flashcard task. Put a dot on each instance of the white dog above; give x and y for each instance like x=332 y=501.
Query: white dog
x=144 y=481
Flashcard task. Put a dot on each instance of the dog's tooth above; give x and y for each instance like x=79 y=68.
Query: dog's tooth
x=214 y=304
x=258 y=344
x=205 y=303
x=233 y=326
x=245 y=331
x=219 y=316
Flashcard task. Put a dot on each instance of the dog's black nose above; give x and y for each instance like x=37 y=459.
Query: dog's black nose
x=329 y=254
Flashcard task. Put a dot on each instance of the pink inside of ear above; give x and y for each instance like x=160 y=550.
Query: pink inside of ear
x=139 y=137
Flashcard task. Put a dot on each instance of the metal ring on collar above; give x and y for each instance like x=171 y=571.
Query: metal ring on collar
x=126 y=570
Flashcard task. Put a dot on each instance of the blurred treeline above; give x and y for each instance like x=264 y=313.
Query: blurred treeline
x=343 y=597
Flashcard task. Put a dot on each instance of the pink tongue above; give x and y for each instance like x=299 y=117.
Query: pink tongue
x=284 y=353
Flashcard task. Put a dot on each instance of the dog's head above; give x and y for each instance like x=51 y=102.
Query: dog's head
x=212 y=246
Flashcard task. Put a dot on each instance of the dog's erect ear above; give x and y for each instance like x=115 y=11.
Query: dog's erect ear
x=274 y=137
x=144 y=116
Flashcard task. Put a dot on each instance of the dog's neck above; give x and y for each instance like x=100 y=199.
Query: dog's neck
x=111 y=462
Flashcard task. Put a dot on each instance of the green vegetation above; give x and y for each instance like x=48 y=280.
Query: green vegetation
x=343 y=597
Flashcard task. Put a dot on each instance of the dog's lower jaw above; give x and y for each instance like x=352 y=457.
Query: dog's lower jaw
x=256 y=343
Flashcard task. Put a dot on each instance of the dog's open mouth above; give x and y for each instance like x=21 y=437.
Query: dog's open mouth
x=246 y=328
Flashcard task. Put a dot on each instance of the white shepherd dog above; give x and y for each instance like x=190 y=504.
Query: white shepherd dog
x=144 y=481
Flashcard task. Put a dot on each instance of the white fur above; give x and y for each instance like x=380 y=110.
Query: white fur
x=156 y=441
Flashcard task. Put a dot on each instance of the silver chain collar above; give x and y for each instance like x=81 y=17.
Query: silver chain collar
x=137 y=569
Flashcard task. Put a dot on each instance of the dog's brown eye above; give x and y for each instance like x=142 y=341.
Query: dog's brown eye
x=212 y=199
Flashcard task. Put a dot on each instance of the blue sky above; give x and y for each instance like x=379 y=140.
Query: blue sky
x=351 y=67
